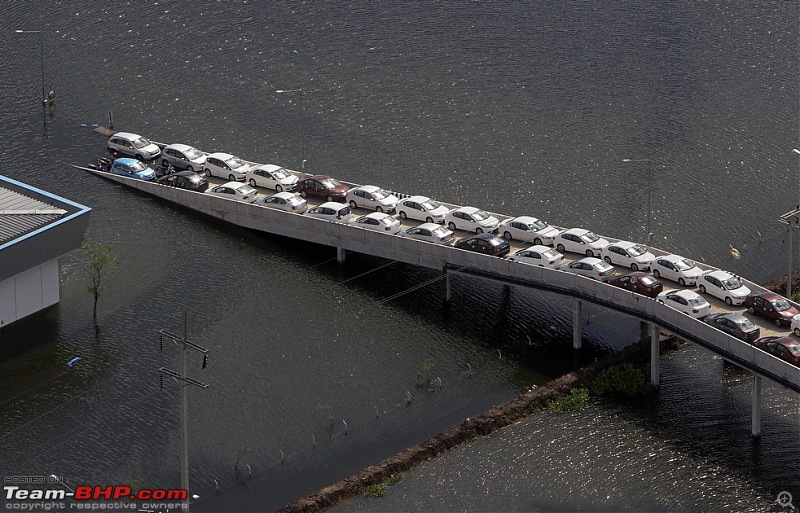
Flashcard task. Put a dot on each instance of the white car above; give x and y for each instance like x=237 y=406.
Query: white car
x=542 y=256
x=235 y=191
x=225 y=165
x=331 y=211
x=723 y=285
x=687 y=301
x=471 y=219
x=285 y=201
x=430 y=232
x=183 y=156
x=378 y=221
x=528 y=229
x=372 y=197
x=133 y=145
x=590 y=267
x=422 y=208
x=629 y=254
x=271 y=177
x=676 y=268
x=796 y=325
x=578 y=240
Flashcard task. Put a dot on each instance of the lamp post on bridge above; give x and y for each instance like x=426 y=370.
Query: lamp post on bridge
x=302 y=127
x=46 y=98
x=649 y=187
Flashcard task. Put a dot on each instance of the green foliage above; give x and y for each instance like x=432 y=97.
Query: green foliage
x=100 y=266
x=379 y=490
x=425 y=371
x=625 y=379
x=796 y=297
x=576 y=400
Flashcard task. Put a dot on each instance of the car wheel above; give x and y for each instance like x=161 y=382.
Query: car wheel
x=139 y=157
x=452 y=226
x=634 y=267
x=656 y=273
x=378 y=209
x=608 y=260
x=751 y=312
x=560 y=248
x=427 y=219
x=778 y=323
x=797 y=332
x=208 y=172
x=507 y=236
x=728 y=301
x=402 y=215
x=479 y=230
x=190 y=168
x=278 y=188
x=589 y=253
x=511 y=260
x=536 y=241
x=252 y=182
x=330 y=198
x=681 y=282
x=702 y=289
x=303 y=194
x=231 y=178
x=353 y=205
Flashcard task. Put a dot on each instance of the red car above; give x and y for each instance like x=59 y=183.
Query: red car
x=324 y=187
x=785 y=348
x=771 y=306
x=639 y=282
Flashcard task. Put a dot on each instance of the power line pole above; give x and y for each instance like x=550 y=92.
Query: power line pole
x=792 y=220
x=184 y=380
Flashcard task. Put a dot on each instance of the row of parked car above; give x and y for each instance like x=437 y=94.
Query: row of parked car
x=492 y=236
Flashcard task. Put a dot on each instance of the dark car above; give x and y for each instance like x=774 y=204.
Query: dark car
x=324 y=187
x=785 y=348
x=734 y=324
x=185 y=180
x=485 y=243
x=639 y=282
x=771 y=306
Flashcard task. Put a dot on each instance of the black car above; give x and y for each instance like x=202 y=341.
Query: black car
x=485 y=243
x=734 y=324
x=185 y=180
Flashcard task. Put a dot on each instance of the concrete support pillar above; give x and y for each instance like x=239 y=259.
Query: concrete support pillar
x=655 y=354
x=447 y=292
x=340 y=255
x=577 y=323
x=756 y=417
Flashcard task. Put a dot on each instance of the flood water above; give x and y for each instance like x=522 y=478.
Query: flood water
x=514 y=107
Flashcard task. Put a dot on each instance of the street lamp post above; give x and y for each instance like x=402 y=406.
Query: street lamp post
x=45 y=98
x=302 y=127
x=649 y=186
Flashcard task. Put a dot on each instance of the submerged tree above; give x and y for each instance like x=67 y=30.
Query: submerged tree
x=100 y=266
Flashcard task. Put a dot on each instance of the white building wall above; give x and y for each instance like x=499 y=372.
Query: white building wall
x=29 y=292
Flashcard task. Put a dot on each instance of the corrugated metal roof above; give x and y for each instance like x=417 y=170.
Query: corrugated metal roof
x=20 y=214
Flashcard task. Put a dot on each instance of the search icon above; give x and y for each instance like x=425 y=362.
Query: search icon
x=785 y=500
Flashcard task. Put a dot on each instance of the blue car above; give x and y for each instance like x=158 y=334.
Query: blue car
x=132 y=168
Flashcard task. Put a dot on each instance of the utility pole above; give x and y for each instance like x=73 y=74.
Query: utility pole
x=184 y=380
x=792 y=220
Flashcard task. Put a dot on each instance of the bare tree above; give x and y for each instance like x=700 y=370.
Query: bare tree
x=100 y=266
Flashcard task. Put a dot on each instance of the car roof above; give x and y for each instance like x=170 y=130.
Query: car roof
x=367 y=188
x=284 y=195
x=719 y=274
x=126 y=160
x=319 y=178
x=332 y=204
x=624 y=244
x=267 y=167
x=638 y=274
x=768 y=295
x=179 y=147
x=221 y=155
x=735 y=317
x=186 y=172
x=589 y=260
x=672 y=258
x=126 y=135
x=576 y=231
x=468 y=210
x=523 y=219
x=430 y=226
x=418 y=199
x=684 y=293
x=377 y=215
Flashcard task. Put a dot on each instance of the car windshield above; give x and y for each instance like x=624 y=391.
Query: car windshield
x=281 y=173
x=331 y=183
x=440 y=231
x=745 y=324
x=140 y=143
x=590 y=237
x=697 y=301
x=192 y=153
x=537 y=225
x=379 y=194
x=794 y=348
x=235 y=162
x=550 y=253
x=137 y=167
x=430 y=204
x=731 y=283
x=637 y=250
x=648 y=280
x=781 y=305
x=480 y=215
x=684 y=265
x=602 y=266
x=387 y=220
x=246 y=189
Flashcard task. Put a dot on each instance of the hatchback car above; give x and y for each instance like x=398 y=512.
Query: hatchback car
x=590 y=267
x=639 y=282
x=372 y=197
x=485 y=243
x=185 y=180
x=183 y=156
x=225 y=165
x=734 y=324
x=272 y=177
x=331 y=211
x=578 y=240
x=628 y=254
x=785 y=348
x=379 y=221
x=528 y=229
x=772 y=306
x=687 y=301
x=723 y=285
x=287 y=201
x=236 y=191
x=132 y=168
x=676 y=268
x=323 y=187
x=542 y=256
x=471 y=219
x=422 y=208
x=133 y=145
x=430 y=232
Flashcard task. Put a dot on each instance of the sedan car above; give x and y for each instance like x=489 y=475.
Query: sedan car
x=785 y=348
x=528 y=229
x=183 y=156
x=542 y=256
x=687 y=301
x=132 y=168
x=590 y=267
x=485 y=243
x=422 y=208
x=331 y=211
x=133 y=145
x=185 y=180
x=772 y=306
x=723 y=285
x=372 y=197
x=227 y=166
x=676 y=268
x=471 y=219
x=734 y=324
x=639 y=282
x=430 y=232
x=323 y=186
x=271 y=177
x=285 y=201
x=235 y=191
x=578 y=240
x=628 y=254
x=378 y=221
